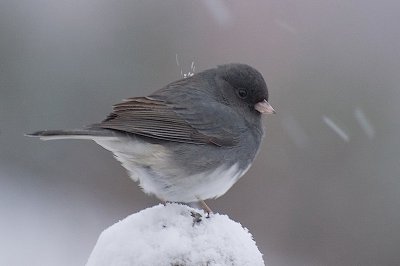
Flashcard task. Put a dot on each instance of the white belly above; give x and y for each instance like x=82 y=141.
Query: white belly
x=211 y=184
x=153 y=167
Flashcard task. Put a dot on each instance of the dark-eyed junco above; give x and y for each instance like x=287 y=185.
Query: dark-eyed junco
x=189 y=141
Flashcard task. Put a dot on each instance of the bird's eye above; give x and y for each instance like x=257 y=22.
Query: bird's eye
x=242 y=93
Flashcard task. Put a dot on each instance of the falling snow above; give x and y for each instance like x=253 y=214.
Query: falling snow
x=339 y=131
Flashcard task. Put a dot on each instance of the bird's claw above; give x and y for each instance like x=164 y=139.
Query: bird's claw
x=196 y=217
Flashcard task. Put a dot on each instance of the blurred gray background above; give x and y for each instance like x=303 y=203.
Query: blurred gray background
x=325 y=188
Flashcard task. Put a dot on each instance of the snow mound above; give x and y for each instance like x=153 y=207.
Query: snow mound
x=169 y=235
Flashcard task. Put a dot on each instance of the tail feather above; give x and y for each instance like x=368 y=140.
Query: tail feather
x=73 y=134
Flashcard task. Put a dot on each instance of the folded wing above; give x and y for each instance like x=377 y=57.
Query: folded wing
x=171 y=121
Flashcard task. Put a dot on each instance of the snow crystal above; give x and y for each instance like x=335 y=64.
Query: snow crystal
x=169 y=235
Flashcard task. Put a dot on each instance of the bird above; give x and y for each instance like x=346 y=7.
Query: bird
x=189 y=141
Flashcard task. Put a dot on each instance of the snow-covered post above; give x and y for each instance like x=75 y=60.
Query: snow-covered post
x=175 y=235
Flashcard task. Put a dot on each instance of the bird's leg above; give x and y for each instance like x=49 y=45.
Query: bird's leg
x=205 y=207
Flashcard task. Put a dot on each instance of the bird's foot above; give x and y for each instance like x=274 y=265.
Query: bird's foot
x=196 y=217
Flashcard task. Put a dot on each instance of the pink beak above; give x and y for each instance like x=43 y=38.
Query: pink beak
x=264 y=107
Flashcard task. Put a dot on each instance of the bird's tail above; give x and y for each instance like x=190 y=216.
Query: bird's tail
x=93 y=134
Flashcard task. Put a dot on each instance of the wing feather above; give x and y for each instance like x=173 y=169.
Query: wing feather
x=163 y=120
